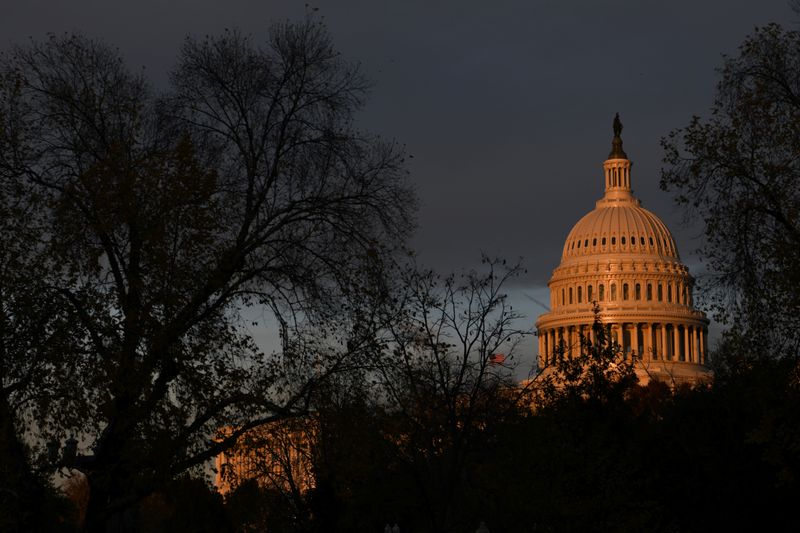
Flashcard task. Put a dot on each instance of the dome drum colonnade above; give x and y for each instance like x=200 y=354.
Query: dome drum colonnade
x=622 y=258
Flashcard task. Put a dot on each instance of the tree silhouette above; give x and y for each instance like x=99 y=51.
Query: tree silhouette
x=737 y=171
x=165 y=218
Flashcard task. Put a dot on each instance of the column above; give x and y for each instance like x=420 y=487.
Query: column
x=569 y=341
x=658 y=353
x=676 y=343
x=643 y=347
x=647 y=341
x=548 y=348
x=542 y=353
x=555 y=344
x=662 y=343
x=689 y=347
x=687 y=356
x=635 y=341
x=702 y=343
x=656 y=344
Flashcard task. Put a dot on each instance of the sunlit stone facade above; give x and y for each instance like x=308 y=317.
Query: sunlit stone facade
x=277 y=455
x=623 y=258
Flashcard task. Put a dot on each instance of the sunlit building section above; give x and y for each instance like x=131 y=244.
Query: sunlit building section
x=276 y=455
x=623 y=259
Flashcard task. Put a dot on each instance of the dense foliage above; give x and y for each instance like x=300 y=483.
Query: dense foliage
x=630 y=458
x=142 y=231
x=738 y=171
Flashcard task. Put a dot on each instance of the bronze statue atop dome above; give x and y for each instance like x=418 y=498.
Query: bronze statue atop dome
x=616 y=145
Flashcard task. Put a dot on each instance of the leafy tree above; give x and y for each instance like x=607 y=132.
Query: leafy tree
x=598 y=373
x=738 y=171
x=33 y=332
x=166 y=219
x=575 y=458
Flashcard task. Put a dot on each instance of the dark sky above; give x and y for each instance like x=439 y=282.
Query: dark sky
x=505 y=106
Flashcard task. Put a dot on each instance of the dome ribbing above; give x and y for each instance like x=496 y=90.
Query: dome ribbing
x=623 y=229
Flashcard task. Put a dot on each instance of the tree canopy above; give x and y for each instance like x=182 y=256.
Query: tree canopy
x=158 y=220
x=738 y=170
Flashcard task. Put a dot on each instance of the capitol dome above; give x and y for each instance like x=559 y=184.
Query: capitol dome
x=619 y=228
x=623 y=258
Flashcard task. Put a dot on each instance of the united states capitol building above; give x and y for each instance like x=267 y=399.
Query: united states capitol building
x=623 y=259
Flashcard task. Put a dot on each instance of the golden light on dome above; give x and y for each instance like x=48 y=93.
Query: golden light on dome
x=623 y=258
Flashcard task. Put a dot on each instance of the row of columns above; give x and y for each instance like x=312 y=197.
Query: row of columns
x=644 y=341
x=618 y=174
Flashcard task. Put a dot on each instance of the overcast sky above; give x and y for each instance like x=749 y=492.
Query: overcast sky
x=505 y=106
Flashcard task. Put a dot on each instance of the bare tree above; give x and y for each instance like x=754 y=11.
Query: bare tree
x=447 y=378
x=167 y=217
x=427 y=391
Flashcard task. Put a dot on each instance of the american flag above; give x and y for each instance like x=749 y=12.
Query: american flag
x=497 y=359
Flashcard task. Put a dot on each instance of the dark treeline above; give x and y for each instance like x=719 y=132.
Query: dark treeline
x=600 y=453
x=626 y=458
x=140 y=232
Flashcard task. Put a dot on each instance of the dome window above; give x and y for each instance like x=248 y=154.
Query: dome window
x=594 y=241
x=649 y=291
x=622 y=240
x=562 y=296
x=589 y=293
x=570 y=295
x=641 y=241
x=602 y=290
x=669 y=293
x=580 y=295
x=638 y=291
x=660 y=293
x=633 y=240
x=613 y=241
x=625 y=294
x=586 y=243
x=604 y=241
x=579 y=244
x=613 y=292
x=651 y=241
